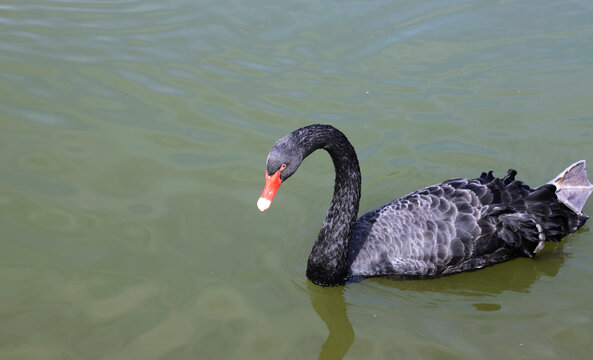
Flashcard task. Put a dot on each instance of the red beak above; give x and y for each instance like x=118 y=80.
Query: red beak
x=272 y=185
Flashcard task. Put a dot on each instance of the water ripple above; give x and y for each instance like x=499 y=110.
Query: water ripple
x=133 y=142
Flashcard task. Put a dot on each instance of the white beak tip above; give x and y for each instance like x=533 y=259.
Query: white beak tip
x=263 y=204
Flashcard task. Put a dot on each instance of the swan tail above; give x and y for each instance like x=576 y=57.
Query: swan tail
x=573 y=186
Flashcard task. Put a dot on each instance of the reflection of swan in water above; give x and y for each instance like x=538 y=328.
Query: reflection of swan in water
x=330 y=305
x=517 y=276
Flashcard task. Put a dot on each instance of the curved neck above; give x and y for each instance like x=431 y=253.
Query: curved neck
x=327 y=262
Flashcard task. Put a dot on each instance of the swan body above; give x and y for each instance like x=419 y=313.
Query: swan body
x=454 y=226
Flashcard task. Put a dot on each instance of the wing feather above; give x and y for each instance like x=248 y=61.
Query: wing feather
x=458 y=225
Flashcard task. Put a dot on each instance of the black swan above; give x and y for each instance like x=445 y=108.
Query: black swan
x=447 y=228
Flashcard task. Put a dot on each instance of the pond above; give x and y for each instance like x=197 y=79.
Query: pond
x=133 y=141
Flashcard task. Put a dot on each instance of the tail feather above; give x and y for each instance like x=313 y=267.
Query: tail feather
x=573 y=186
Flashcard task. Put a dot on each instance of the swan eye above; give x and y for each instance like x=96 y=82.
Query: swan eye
x=283 y=167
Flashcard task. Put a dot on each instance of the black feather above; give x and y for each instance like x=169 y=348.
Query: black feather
x=481 y=222
x=446 y=228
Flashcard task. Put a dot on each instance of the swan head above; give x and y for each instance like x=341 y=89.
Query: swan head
x=287 y=153
x=283 y=160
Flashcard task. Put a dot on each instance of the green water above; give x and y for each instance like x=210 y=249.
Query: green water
x=133 y=139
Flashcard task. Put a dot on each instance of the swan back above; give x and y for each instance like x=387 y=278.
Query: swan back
x=458 y=225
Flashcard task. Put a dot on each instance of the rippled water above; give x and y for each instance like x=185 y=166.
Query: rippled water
x=133 y=139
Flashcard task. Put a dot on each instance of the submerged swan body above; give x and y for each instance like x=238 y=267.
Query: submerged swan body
x=455 y=226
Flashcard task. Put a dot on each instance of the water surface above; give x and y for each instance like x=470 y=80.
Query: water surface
x=133 y=139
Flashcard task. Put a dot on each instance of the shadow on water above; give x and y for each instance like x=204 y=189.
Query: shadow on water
x=517 y=276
